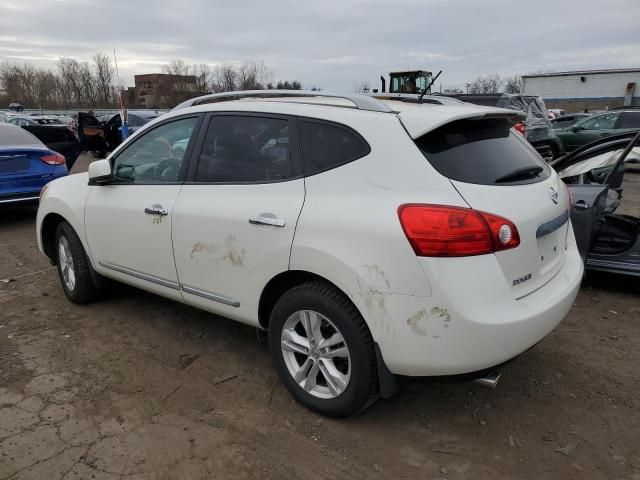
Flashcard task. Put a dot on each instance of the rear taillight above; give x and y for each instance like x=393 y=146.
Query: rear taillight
x=53 y=159
x=444 y=231
x=520 y=128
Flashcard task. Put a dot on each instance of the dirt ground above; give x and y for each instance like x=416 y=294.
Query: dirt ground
x=139 y=387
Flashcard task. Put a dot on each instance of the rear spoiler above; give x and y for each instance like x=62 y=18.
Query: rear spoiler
x=417 y=122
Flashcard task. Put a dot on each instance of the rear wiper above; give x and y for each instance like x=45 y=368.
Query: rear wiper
x=520 y=174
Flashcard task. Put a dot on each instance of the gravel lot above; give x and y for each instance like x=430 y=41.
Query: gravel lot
x=139 y=387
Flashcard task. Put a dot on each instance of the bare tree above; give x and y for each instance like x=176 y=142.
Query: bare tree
x=104 y=78
x=225 y=77
x=362 y=87
x=488 y=84
x=204 y=78
x=512 y=84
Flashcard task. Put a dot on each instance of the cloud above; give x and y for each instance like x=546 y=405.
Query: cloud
x=333 y=44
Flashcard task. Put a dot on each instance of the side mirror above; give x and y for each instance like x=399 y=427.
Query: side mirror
x=100 y=172
x=575 y=129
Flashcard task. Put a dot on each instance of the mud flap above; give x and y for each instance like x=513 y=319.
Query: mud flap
x=387 y=381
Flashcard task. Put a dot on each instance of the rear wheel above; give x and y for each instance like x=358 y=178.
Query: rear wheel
x=323 y=350
x=73 y=265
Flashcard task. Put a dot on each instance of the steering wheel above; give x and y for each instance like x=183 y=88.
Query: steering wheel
x=167 y=170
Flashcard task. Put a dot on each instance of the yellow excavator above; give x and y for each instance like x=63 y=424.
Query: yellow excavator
x=417 y=82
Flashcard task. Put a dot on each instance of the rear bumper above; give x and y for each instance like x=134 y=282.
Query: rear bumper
x=472 y=325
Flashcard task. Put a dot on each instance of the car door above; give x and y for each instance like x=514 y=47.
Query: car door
x=590 y=202
x=128 y=221
x=591 y=130
x=235 y=217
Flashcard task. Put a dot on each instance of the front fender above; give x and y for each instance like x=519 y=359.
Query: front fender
x=65 y=197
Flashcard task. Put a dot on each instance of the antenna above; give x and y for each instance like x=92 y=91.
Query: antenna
x=115 y=58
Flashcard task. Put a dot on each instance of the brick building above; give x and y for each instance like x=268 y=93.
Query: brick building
x=160 y=90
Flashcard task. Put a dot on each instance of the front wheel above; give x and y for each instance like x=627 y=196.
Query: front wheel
x=323 y=350
x=73 y=265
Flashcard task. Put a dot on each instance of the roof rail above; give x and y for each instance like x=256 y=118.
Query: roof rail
x=360 y=102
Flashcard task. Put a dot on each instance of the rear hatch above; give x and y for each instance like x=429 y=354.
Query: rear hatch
x=496 y=171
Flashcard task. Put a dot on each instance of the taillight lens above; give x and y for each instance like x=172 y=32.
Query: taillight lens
x=53 y=159
x=520 y=128
x=444 y=231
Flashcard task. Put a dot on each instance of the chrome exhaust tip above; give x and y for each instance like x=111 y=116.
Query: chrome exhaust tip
x=488 y=380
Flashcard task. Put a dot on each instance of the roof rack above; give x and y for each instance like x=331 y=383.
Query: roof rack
x=432 y=98
x=360 y=102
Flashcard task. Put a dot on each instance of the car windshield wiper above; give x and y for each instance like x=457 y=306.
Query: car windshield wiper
x=520 y=174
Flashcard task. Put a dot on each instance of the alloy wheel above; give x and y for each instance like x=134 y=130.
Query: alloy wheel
x=316 y=354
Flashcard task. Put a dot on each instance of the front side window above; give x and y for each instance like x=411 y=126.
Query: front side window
x=242 y=149
x=600 y=122
x=157 y=155
x=326 y=146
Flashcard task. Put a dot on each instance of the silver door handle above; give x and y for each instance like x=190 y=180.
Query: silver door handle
x=581 y=206
x=156 y=211
x=274 y=222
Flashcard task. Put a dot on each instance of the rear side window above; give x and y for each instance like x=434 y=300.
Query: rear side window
x=630 y=120
x=246 y=149
x=483 y=152
x=326 y=146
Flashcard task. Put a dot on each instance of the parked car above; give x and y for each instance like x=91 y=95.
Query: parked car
x=555 y=113
x=607 y=241
x=564 y=121
x=22 y=121
x=597 y=126
x=26 y=165
x=370 y=240
x=54 y=134
x=103 y=134
x=536 y=127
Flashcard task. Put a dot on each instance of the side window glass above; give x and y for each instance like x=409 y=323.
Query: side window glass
x=326 y=146
x=245 y=149
x=630 y=120
x=157 y=155
x=135 y=121
x=601 y=122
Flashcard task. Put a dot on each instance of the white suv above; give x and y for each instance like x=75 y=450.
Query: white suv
x=370 y=239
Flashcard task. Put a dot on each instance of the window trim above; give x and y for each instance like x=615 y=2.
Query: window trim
x=294 y=147
x=186 y=160
x=340 y=126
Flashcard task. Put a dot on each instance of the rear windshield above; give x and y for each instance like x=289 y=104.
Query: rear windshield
x=16 y=136
x=482 y=151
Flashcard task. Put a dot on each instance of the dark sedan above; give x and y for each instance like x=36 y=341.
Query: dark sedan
x=564 y=121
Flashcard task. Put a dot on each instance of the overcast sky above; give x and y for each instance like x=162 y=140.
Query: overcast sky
x=333 y=44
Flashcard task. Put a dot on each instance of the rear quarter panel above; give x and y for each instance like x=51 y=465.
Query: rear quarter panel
x=349 y=231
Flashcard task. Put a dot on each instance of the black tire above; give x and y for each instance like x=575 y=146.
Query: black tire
x=84 y=290
x=362 y=388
